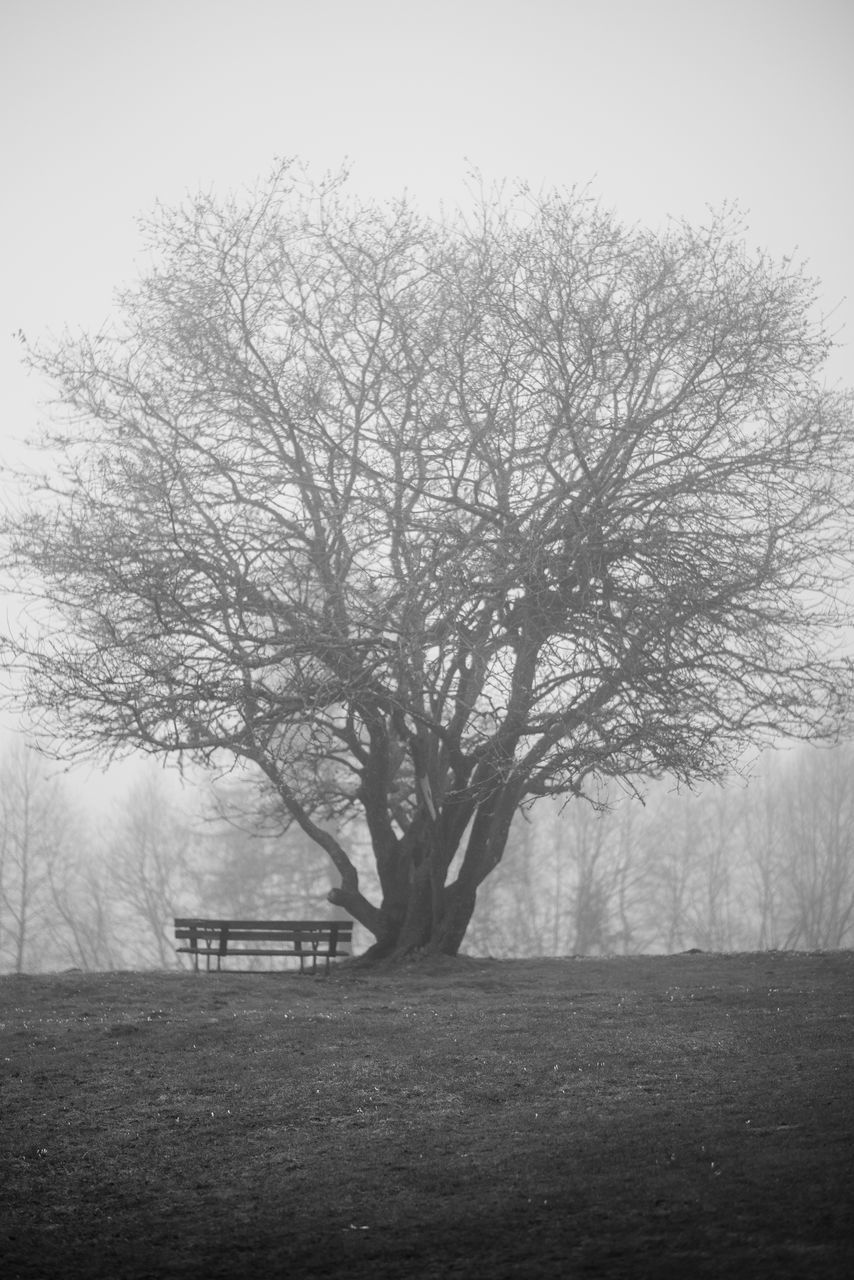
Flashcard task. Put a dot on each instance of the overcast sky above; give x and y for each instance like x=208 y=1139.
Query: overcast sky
x=665 y=106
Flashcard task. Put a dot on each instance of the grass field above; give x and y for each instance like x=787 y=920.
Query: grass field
x=677 y=1116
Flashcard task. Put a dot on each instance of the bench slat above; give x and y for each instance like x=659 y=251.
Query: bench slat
x=211 y=923
x=244 y=935
x=255 y=951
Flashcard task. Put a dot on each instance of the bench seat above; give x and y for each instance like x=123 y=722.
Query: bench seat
x=305 y=940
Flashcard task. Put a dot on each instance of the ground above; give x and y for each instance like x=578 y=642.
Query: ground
x=687 y=1116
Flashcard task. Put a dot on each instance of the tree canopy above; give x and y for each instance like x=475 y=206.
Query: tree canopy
x=426 y=518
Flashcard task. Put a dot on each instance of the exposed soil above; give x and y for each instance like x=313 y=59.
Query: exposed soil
x=681 y=1116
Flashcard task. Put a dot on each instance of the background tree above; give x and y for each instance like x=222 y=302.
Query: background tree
x=152 y=855
x=569 y=884
x=36 y=826
x=81 y=923
x=816 y=799
x=424 y=519
x=241 y=847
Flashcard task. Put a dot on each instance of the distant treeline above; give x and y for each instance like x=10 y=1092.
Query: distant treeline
x=769 y=864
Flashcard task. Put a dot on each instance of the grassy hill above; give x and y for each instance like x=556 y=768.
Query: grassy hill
x=643 y=1117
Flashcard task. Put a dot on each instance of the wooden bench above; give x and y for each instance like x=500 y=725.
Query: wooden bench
x=307 y=940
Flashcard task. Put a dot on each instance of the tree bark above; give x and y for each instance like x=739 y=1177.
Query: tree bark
x=419 y=912
x=447 y=936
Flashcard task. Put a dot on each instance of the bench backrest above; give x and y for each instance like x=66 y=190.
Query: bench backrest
x=312 y=932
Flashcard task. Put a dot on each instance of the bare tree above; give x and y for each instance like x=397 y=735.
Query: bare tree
x=80 y=915
x=797 y=859
x=763 y=825
x=152 y=871
x=425 y=519
x=600 y=859
x=520 y=906
x=255 y=861
x=34 y=826
x=563 y=877
x=818 y=870
x=695 y=873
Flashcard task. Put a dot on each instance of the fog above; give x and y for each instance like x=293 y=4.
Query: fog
x=664 y=108
x=768 y=865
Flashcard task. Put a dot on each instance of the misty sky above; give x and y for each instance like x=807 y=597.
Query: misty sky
x=666 y=106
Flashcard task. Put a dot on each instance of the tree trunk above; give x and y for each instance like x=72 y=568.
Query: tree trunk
x=421 y=920
x=449 y=931
x=419 y=911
